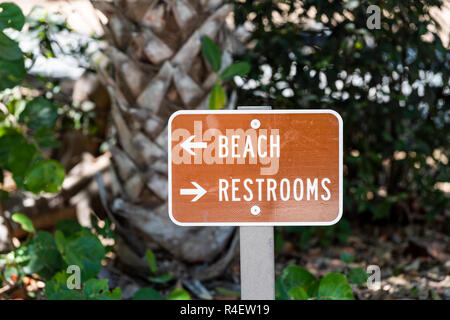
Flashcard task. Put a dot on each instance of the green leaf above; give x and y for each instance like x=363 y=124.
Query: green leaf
x=347 y=257
x=281 y=293
x=16 y=105
x=93 y=289
x=11 y=73
x=97 y=289
x=9 y=49
x=357 y=276
x=95 y=286
x=43 y=256
x=150 y=256
x=10 y=273
x=161 y=279
x=296 y=276
x=293 y=276
x=116 y=294
x=45 y=138
x=68 y=227
x=313 y=288
x=44 y=176
x=236 y=69
x=334 y=286
x=179 y=294
x=56 y=288
x=24 y=222
x=20 y=158
x=279 y=242
x=298 y=293
x=61 y=277
x=39 y=112
x=217 y=98
x=212 y=53
x=82 y=249
x=147 y=294
x=11 y=16
x=58 y=291
x=7 y=142
x=62 y=294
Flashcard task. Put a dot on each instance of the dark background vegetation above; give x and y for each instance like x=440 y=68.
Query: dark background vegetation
x=391 y=87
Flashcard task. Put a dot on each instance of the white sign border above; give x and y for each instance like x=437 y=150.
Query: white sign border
x=276 y=111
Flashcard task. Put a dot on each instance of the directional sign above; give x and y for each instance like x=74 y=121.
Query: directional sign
x=255 y=167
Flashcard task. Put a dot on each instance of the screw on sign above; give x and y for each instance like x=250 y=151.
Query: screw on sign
x=255 y=167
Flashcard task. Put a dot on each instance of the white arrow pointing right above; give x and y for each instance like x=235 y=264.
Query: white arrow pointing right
x=198 y=191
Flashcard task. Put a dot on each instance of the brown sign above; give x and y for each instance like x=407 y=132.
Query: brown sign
x=248 y=167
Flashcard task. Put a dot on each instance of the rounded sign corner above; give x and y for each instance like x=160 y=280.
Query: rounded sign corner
x=175 y=221
x=173 y=116
x=337 y=115
x=336 y=220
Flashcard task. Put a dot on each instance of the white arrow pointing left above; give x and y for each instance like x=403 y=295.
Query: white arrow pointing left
x=198 y=192
x=188 y=145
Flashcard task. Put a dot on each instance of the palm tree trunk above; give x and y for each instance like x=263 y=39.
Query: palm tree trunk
x=155 y=67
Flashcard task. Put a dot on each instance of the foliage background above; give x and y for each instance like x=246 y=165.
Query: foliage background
x=391 y=86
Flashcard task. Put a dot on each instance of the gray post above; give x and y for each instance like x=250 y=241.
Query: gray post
x=257 y=256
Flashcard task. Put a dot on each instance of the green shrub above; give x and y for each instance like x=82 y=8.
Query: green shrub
x=211 y=52
x=50 y=255
x=148 y=293
x=296 y=283
x=26 y=126
x=391 y=87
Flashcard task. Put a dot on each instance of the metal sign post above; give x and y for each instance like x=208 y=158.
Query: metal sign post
x=257 y=263
x=255 y=168
x=257 y=253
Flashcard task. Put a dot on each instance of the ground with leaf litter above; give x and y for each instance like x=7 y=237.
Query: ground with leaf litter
x=414 y=261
